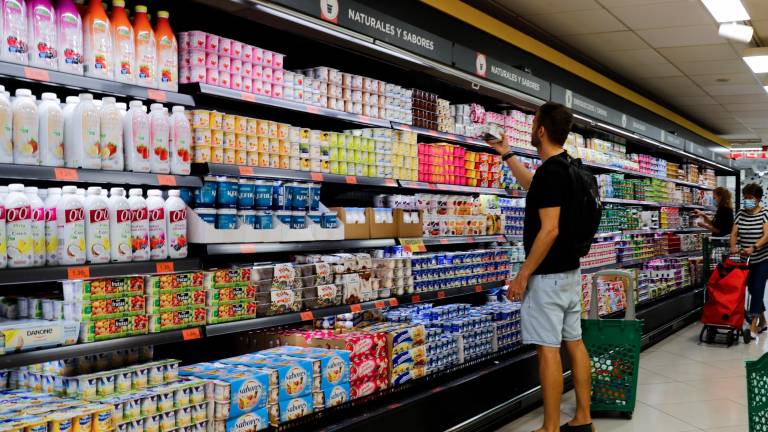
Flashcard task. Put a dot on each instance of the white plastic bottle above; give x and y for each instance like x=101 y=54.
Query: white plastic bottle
x=111 y=135
x=43 y=40
x=136 y=138
x=158 y=245
x=70 y=222
x=96 y=226
x=15 y=45
x=51 y=226
x=26 y=147
x=66 y=111
x=80 y=192
x=81 y=134
x=123 y=108
x=119 y=225
x=176 y=230
x=6 y=128
x=159 y=131
x=139 y=225
x=37 y=223
x=51 y=130
x=3 y=242
x=180 y=138
x=18 y=227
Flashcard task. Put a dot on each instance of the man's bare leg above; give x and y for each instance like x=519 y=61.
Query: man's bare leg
x=551 y=377
x=582 y=381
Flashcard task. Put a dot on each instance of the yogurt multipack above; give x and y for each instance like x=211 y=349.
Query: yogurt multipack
x=250 y=422
x=295 y=376
x=331 y=365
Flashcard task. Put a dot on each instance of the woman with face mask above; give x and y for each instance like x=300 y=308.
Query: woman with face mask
x=749 y=238
x=722 y=223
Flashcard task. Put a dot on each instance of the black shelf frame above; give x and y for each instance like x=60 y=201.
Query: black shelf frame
x=282 y=174
x=93 y=176
x=445 y=240
x=61 y=273
x=294 y=247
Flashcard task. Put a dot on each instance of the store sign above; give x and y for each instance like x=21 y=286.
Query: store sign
x=698 y=150
x=588 y=106
x=644 y=129
x=480 y=64
x=748 y=154
x=674 y=140
x=370 y=22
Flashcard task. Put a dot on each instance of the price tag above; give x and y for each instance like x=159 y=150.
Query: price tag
x=166 y=180
x=164 y=267
x=364 y=119
x=192 y=333
x=415 y=298
x=478 y=288
x=247 y=248
x=313 y=109
x=316 y=176
x=404 y=127
x=431 y=186
x=248 y=97
x=83 y=272
x=470 y=240
x=501 y=238
x=441 y=294
x=351 y=180
x=355 y=308
x=158 y=95
x=390 y=182
x=443 y=241
x=246 y=170
x=68 y=174
x=36 y=74
x=379 y=304
x=393 y=302
x=307 y=316
x=413 y=244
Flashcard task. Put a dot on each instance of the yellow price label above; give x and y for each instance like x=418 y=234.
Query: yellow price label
x=413 y=244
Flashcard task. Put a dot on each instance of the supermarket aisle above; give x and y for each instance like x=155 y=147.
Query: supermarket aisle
x=683 y=386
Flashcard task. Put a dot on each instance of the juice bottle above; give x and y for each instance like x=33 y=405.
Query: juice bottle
x=180 y=138
x=119 y=225
x=167 y=54
x=81 y=133
x=111 y=135
x=37 y=223
x=139 y=225
x=18 y=227
x=43 y=36
x=146 y=49
x=15 y=45
x=70 y=221
x=159 y=130
x=157 y=225
x=136 y=138
x=98 y=42
x=176 y=228
x=96 y=226
x=25 y=129
x=70 y=37
x=51 y=130
x=122 y=43
x=51 y=227
x=6 y=128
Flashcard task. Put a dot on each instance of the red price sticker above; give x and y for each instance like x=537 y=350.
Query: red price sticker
x=248 y=97
x=351 y=180
x=246 y=171
x=316 y=176
x=247 y=248
x=393 y=302
x=68 y=174
x=166 y=180
x=441 y=294
x=313 y=109
x=192 y=333
x=364 y=119
x=307 y=316
x=83 y=272
x=379 y=304
x=355 y=308
x=158 y=95
x=478 y=288
x=443 y=241
x=432 y=186
x=390 y=182
x=470 y=239
x=415 y=298
x=36 y=74
x=164 y=267
x=501 y=238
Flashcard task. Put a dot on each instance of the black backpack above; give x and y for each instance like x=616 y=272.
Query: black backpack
x=585 y=205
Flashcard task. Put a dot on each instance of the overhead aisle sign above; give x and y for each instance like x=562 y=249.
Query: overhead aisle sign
x=362 y=19
x=482 y=65
x=674 y=141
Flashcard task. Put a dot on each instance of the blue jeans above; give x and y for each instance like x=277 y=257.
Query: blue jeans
x=758 y=275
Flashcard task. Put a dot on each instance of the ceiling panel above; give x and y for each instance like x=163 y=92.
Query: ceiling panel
x=610 y=41
x=713 y=67
x=681 y=36
x=648 y=70
x=695 y=100
x=746 y=107
x=661 y=15
x=578 y=22
x=525 y=7
x=619 y=3
x=738 y=78
x=721 y=51
x=758 y=9
x=734 y=99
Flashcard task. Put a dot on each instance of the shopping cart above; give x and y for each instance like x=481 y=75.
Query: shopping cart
x=614 y=349
x=723 y=313
x=757 y=394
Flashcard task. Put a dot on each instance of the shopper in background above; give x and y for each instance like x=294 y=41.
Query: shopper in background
x=749 y=238
x=722 y=223
x=549 y=282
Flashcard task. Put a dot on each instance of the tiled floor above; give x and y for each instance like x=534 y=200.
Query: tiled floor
x=683 y=386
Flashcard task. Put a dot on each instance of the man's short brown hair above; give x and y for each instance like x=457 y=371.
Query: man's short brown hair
x=557 y=120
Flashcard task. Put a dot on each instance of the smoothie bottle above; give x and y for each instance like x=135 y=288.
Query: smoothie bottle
x=51 y=130
x=111 y=135
x=159 y=157
x=158 y=249
x=70 y=37
x=70 y=221
x=176 y=228
x=122 y=43
x=15 y=46
x=18 y=227
x=98 y=42
x=119 y=225
x=81 y=134
x=136 y=134
x=139 y=225
x=26 y=149
x=6 y=128
x=167 y=54
x=43 y=36
x=96 y=226
x=180 y=142
x=146 y=49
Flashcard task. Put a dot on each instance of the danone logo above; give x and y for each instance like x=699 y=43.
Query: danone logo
x=123 y=216
x=18 y=214
x=143 y=36
x=250 y=394
x=99 y=25
x=177 y=215
x=157 y=214
x=335 y=369
x=139 y=214
x=481 y=64
x=74 y=215
x=329 y=10
x=98 y=215
x=165 y=40
x=42 y=11
x=249 y=422
x=40 y=332
x=337 y=397
x=123 y=31
x=69 y=18
x=296 y=408
x=13 y=4
x=295 y=380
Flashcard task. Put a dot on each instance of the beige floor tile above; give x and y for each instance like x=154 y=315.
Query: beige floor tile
x=661 y=393
x=662 y=358
x=649 y=377
x=707 y=414
x=694 y=371
x=744 y=428
x=645 y=419
x=733 y=388
x=530 y=422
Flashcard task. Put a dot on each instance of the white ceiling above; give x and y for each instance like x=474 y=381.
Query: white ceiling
x=671 y=49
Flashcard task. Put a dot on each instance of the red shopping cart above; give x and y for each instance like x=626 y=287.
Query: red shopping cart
x=723 y=313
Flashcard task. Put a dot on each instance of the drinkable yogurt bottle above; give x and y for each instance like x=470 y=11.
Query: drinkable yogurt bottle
x=51 y=226
x=15 y=45
x=176 y=228
x=180 y=142
x=26 y=148
x=136 y=138
x=18 y=227
x=158 y=249
x=3 y=243
x=139 y=225
x=51 y=130
x=70 y=221
x=96 y=226
x=159 y=158
x=37 y=223
x=119 y=225
x=111 y=135
x=6 y=127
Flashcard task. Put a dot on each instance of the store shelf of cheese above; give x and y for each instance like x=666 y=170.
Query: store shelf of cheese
x=77 y=272
x=94 y=176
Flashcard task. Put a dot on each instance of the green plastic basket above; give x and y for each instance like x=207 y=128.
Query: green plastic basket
x=614 y=350
x=757 y=394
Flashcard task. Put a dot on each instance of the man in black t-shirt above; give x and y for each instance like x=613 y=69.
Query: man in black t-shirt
x=549 y=282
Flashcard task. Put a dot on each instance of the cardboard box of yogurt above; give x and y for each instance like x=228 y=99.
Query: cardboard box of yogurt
x=249 y=422
x=246 y=390
x=291 y=409
x=332 y=365
x=295 y=376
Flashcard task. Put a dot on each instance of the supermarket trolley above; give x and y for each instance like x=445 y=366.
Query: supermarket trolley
x=723 y=313
x=614 y=349
x=757 y=392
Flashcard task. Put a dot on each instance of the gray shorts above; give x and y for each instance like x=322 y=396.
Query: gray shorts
x=551 y=310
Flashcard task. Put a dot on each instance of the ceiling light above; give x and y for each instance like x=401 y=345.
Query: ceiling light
x=726 y=10
x=737 y=32
x=756 y=59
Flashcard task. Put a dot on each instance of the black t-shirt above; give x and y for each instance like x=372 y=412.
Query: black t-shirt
x=723 y=221
x=551 y=187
